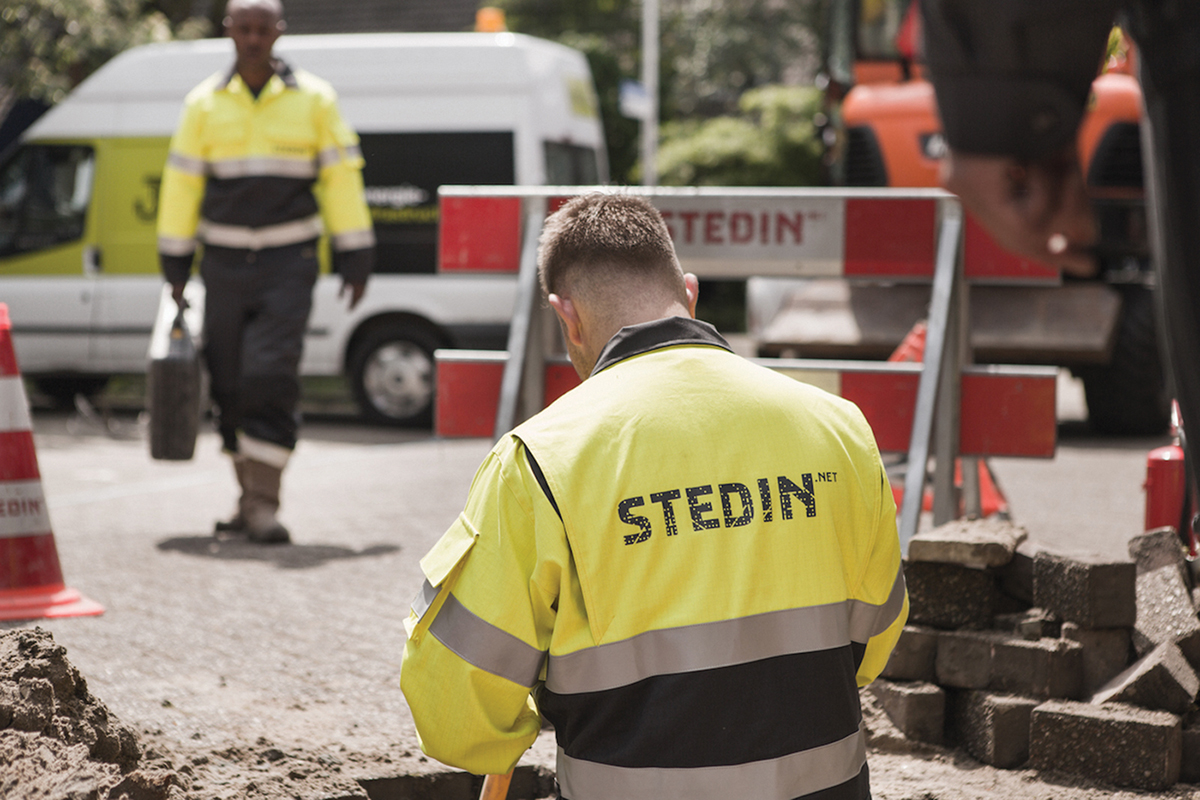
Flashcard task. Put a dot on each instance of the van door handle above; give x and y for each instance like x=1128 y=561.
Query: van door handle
x=91 y=260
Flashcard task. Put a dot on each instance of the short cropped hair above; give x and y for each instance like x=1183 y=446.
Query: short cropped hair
x=598 y=238
x=270 y=6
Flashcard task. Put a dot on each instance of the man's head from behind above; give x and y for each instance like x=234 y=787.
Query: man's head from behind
x=606 y=261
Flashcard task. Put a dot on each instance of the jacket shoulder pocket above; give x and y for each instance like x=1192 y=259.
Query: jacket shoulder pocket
x=449 y=552
x=439 y=565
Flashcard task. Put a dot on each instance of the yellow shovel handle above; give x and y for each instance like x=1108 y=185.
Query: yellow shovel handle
x=495 y=787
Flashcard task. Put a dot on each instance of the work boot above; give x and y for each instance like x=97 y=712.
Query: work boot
x=261 y=503
x=237 y=521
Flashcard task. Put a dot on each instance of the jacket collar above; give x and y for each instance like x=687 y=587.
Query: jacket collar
x=283 y=71
x=634 y=340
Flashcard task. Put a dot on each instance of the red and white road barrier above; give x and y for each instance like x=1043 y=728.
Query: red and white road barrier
x=917 y=235
x=468 y=389
x=730 y=232
x=1006 y=411
x=31 y=580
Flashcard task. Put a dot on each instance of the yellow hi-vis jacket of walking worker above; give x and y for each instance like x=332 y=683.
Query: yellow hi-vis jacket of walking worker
x=252 y=173
x=688 y=564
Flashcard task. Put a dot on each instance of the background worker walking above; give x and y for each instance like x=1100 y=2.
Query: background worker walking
x=688 y=564
x=261 y=164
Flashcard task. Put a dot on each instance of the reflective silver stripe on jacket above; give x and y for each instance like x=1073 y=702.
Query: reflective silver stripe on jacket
x=485 y=646
x=238 y=236
x=708 y=645
x=353 y=240
x=424 y=599
x=186 y=164
x=724 y=643
x=781 y=778
x=335 y=155
x=867 y=620
x=174 y=246
x=263 y=167
x=687 y=648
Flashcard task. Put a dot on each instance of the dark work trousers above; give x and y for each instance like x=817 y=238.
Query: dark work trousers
x=1167 y=33
x=255 y=313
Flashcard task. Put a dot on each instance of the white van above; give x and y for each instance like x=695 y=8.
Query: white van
x=79 y=197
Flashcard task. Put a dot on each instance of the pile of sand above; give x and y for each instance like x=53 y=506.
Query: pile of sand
x=59 y=741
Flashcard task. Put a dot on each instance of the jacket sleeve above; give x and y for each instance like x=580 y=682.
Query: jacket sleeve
x=1012 y=77
x=181 y=194
x=880 y=600
x=479 y=631
x=339 y=191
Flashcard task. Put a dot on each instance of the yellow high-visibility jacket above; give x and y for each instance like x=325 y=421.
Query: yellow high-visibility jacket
x=688 y=564
x=251 y=173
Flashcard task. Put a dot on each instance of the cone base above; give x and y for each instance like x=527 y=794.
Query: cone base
x=46 y=603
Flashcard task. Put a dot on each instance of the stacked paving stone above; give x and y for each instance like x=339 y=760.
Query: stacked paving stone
x=1069 y=663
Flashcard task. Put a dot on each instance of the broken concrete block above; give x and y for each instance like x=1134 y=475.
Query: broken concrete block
x=994 y=727
x=1106 y=653
x=1016 y=579
x=978 y=543
x=1189 y=768
x=1005 y=662
x=1165 y=614
x=882 y=733
x=1032 y=624
x=1115 y=743
x=949 y=596
x=1163 y=680
x=964 y=659
x=1044 y=669
x=1160 y=547
x=913 y=657
x=1087 y=590
x=918 y=708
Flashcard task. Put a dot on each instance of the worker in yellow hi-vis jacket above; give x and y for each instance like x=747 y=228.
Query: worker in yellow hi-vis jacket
x=688 y=564
x=261 y=164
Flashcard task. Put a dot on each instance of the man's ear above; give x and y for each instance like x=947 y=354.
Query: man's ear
x=692 y=285
x=569 y=316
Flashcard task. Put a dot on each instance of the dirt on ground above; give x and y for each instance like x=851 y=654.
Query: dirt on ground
x=59 y=742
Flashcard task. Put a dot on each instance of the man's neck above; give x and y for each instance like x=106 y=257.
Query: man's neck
x=256 y=77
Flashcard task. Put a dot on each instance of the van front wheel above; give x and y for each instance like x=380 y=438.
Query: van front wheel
x=391 y=372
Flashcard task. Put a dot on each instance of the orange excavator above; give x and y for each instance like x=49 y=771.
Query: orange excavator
x=880 y=128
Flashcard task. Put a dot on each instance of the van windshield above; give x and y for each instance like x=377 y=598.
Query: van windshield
x=44 y=196
x=570 y=165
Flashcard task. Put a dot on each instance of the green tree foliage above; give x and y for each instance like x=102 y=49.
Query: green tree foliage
x=620 y=133
x=607 y=32
x=712 y=52
x=620 y=19
x=48 y=46
x=772 y=142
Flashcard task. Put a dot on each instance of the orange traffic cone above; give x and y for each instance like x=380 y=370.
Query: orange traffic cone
x=913 y=346
x=31 y=581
